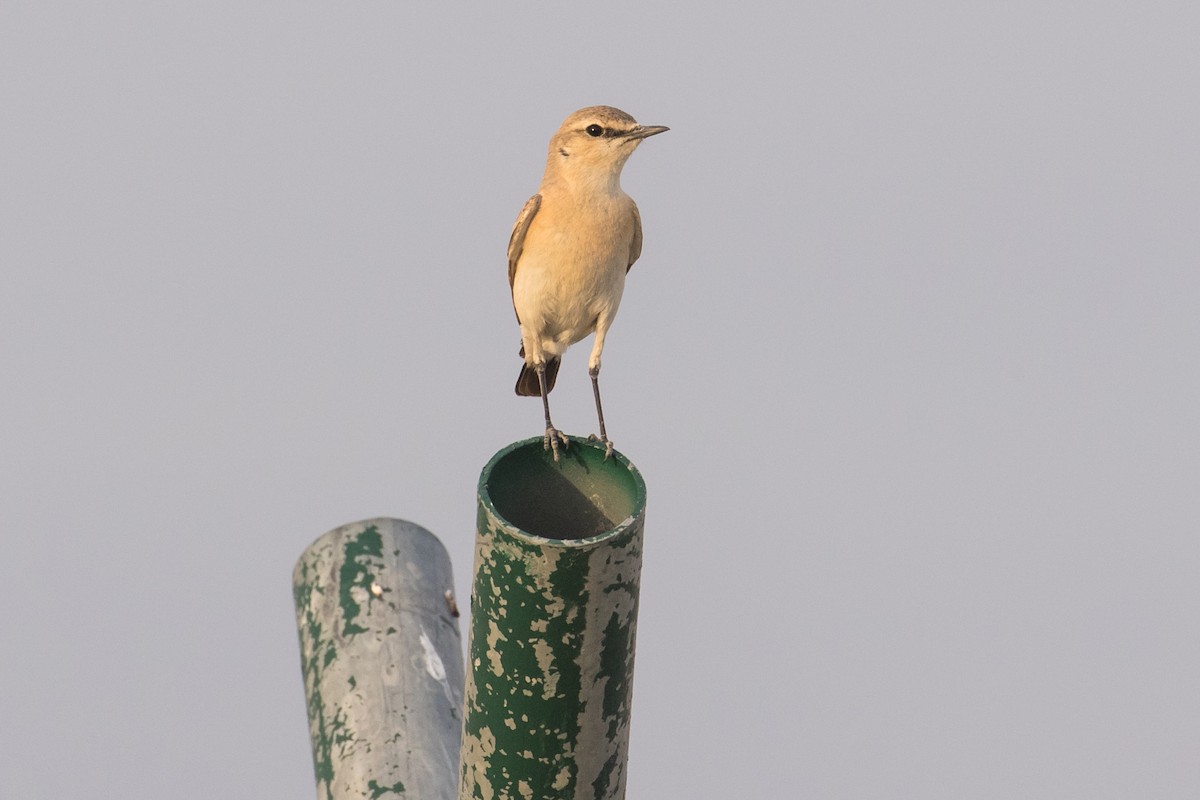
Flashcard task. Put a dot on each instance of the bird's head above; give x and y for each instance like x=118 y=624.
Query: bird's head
x=594 y=143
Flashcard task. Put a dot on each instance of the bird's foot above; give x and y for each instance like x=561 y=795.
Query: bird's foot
x=551 y=438
x=608 y=445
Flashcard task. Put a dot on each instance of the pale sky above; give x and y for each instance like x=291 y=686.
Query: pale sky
x=909 y=366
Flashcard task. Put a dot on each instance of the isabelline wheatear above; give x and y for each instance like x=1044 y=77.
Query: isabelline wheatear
x=570 y=249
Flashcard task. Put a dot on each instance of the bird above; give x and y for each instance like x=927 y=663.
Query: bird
x=570 y=249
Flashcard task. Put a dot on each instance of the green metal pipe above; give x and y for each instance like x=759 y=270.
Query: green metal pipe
x=382 y=660
x=558 y=555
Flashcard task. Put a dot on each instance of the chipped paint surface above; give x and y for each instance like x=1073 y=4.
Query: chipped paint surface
x=433 y=662
x=381 y=658
x=549 y=686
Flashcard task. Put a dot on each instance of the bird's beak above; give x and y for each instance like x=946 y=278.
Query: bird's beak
x=645 y=131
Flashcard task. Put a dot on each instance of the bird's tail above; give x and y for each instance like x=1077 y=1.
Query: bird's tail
x=528 y=384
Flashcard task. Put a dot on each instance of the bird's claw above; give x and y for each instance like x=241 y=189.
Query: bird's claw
x=608 y=445
x=551 y=438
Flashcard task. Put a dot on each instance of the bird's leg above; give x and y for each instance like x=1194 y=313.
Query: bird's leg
x=594 y=372
x=552 y=435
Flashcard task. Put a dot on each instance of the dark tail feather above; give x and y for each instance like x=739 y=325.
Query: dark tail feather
x=527 y=381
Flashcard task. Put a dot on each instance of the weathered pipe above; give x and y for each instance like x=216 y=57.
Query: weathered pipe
x=558 y=555
x=382 y=661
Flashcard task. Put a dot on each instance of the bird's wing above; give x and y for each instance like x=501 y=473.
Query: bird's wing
x=516 y=242
x=635 y=247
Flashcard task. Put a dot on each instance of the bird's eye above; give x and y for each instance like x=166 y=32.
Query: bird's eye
x=594 y=130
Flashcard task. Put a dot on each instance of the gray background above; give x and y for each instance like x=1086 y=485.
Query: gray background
x=909 y=364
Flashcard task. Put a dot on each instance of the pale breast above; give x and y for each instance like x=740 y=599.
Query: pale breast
x=571 y=271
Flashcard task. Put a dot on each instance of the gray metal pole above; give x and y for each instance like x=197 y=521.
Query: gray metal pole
x=382 y=661
x=558 y=556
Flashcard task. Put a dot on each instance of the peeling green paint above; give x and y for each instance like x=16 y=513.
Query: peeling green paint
x=320 y=653
x=613 y=655
x=360 y=554
x=553 y=627
x=378 y=791
x=601 y=784
x=380 y=654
